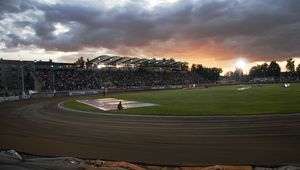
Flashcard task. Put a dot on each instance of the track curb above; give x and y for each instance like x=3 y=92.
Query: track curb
x=61 y=106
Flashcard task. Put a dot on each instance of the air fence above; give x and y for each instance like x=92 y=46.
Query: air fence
x=50 y=94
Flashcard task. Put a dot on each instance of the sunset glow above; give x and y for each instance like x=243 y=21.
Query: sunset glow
x=211 y=33
x=241 y=63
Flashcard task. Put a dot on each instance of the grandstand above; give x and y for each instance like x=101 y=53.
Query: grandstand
x=63 y=80
x=104 y=72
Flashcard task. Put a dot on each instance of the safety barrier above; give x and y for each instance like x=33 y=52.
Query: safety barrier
x=89 y=92
x=9 y=98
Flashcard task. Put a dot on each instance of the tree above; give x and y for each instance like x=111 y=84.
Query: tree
x=290 y=65
x=211 y=74
x=264 y=68
x=254 y=71
x=260 y=71
x=274 y=69
x=215 y=72
x=238 y=74
x=193 y=68
x=184 y=67
x=201 y=70
x=229 y=74
x=88 y=63
x=80 y=62
x=298 y=71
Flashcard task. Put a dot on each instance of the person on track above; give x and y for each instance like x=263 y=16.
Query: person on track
x=120 y=106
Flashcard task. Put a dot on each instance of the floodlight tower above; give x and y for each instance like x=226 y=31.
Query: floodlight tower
x=53 y=77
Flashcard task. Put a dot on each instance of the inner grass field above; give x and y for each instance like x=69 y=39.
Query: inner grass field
x=221 y=100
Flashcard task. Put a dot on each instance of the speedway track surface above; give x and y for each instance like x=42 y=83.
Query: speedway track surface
x=40 y=127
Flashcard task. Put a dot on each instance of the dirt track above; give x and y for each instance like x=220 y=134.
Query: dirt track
x=40 y=127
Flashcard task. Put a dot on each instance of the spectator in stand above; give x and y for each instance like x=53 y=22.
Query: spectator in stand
x=65 y=80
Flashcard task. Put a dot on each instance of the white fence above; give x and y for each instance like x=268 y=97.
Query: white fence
x=9 y=98
x=13 y=98
x=167 y=87
x=82 y=92
x=77 y=93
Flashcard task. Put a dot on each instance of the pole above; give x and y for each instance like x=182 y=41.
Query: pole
x=23 y=88
x=53 y=76
x=53 y=81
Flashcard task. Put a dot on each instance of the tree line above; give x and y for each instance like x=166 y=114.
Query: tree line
x=273 y=69
x=81 y=63
x=208 y=73
x=265 y=70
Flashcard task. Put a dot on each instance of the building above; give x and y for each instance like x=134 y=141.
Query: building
x=11 y=76
x=38 y=65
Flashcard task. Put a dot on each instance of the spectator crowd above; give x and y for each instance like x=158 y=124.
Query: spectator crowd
x=62 y=80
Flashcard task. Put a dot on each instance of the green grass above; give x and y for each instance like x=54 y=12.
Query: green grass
x=225 y=100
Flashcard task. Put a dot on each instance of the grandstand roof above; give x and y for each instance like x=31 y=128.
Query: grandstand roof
x=112 y=60
x=123 y=60
x=117 y=60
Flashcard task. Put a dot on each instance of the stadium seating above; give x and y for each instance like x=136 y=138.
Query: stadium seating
x=95 y=79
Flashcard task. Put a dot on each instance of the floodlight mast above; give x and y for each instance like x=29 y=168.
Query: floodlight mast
x=53 y=77
x=23 y=87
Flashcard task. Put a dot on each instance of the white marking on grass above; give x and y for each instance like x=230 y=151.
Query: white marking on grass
x=107 y=104
x=244 y=88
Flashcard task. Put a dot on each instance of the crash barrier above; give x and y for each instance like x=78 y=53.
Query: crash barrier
x=89 y=92
x=116 y=90
x=49 y=94
x=12 y=98
x=143 y=88
x=167 y=87
x=42 y=95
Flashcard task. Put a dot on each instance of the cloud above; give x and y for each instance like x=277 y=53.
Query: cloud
x=261 y=30
x=13 y=6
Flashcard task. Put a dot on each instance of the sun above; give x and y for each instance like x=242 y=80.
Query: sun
x=241 y=63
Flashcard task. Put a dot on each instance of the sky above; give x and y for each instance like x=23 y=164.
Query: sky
x=209 y=32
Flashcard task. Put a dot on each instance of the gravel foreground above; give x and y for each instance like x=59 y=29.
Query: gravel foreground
x=12 y=160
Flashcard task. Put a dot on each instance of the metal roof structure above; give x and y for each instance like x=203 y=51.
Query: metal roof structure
x=111 y=61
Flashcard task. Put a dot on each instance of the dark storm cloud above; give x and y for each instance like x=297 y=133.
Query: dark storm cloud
x=260 y=28
x=13 y=6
